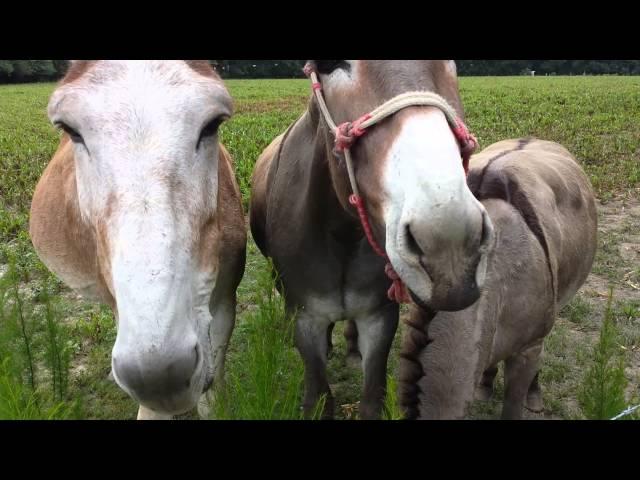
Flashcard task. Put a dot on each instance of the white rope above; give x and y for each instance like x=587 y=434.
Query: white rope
x=333 y=127
x=388 y=108
x=397 y=103
x=410 y=99
x=626 y=412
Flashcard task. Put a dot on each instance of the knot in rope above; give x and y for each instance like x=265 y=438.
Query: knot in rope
x=346 y=133
x=308 y=70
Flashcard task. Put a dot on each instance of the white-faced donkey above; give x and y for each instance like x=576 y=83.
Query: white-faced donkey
x=544 y=215
x=139 y=208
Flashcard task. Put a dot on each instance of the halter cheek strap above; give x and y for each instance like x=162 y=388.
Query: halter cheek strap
x=348 y=132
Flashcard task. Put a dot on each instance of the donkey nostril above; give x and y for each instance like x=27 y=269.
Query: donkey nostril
x=412 y=245
x=197 y=350
x=487 y=230
x=483 y=231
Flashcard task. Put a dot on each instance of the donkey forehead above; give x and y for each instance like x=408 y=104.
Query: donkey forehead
x=384 y=77
x=393 y=76
x=122 y=90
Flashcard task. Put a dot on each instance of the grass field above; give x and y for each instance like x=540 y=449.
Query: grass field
x=597 y=118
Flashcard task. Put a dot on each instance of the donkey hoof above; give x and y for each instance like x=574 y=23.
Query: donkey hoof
x=534 y=402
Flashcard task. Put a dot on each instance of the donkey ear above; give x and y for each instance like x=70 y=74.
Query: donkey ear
x=75 y=69
x=77 y=63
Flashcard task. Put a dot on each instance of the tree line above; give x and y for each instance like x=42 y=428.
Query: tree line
x=16 y=71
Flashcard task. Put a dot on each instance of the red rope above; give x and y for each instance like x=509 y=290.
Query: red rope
x=348 y=132
x=468 y=143
x=397 y=292
x=357 y=202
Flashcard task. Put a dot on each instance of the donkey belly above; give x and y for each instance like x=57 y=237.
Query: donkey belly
x=519 y=328
x=336 y=288
x=347 y=301
x=519 y=288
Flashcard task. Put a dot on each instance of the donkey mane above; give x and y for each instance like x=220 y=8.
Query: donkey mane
x=415 y=341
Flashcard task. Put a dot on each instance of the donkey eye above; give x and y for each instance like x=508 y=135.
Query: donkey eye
x=210 y=129
x=74 y=135
x=328 y=66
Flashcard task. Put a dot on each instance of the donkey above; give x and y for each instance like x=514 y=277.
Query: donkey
x=412 y=180
x=139 y=208
x=544 y=215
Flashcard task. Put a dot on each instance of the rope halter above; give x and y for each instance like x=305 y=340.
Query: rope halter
x=348 y=132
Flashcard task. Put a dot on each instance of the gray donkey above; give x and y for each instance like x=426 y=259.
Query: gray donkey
x=544 y=215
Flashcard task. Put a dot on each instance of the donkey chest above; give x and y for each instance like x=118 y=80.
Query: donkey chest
x=357 y=290
x=339 y=305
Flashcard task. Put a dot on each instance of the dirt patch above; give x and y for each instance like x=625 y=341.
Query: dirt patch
x=619 y=230
x=630 y=252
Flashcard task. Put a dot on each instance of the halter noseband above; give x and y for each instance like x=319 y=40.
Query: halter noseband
x=348 y=132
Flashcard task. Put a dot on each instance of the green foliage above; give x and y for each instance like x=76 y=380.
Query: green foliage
x=34 y=355
x=602 y=393
x=17 y=71
x=548 y=67
x=391 y=407
x=293 y=68
x=43 y=69
x=265 y=373
x=6 y=69
x=23 y=70
x=577 y=311
x=13 y=71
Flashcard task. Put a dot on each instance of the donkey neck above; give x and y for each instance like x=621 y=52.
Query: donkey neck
x=328 y=185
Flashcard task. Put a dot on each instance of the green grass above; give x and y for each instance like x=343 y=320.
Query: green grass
x=264 y=372
x=577 y=311
x=602 y=392
x=596 y=118
x=35 y=354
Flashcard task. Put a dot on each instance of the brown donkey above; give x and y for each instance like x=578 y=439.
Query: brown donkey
x=544 y=214
x=412 y=180
x=139 y=208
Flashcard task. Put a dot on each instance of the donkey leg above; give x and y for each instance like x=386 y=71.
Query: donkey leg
x=484 y=390
x=330 y=340
x=520 y=370
x=146 y=414
x=353 y=357
x=375 y=336
x=224 y=319
x=311 y=342
x=534 y=396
